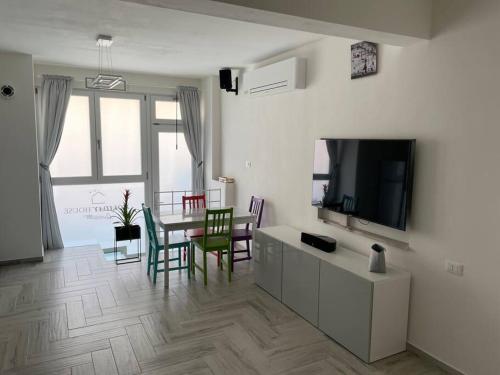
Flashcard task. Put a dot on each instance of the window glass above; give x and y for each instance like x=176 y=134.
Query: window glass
x=73 y=157
x=121 y=136
x=85 y=212
x=165 y=110
x=175 y=165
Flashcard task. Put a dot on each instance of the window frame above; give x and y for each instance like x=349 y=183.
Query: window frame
x=101 y=178
x=155 y=131
x=95 y=144
x=163 y=98
x=83 y=180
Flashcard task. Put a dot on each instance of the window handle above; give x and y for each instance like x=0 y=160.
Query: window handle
x=98 y=144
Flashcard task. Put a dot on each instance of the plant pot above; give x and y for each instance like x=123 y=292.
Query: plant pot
x=128 y=233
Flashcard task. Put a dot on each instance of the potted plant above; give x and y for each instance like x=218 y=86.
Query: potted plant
x=126 y=216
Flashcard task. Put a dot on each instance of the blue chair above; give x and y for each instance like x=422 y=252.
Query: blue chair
x=175 y=242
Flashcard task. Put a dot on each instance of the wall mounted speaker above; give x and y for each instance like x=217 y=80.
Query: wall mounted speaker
x=7 y=91
x=226 y=80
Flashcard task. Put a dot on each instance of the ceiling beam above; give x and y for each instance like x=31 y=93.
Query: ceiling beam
x=396 y=22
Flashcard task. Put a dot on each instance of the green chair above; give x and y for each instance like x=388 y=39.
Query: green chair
x=216 y=237
x=155 y=248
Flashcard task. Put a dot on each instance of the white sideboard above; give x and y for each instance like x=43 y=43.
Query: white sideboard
x=365 y=312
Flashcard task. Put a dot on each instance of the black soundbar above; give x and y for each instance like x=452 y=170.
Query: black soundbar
x=323 y=243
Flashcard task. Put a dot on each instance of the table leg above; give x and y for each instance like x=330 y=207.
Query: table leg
x=253 y=235
x=166 y=256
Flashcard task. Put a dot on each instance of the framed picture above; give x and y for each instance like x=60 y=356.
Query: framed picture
x=363 y=59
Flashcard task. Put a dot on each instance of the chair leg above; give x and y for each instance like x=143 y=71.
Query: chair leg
x=149 y=258
x=155 y=266
x=229 y=264
x=179 y=261
x=232 y=256
x=205 y=278
x=218 y=259
x=248 y=248
x=193 y=260
x=188 y=262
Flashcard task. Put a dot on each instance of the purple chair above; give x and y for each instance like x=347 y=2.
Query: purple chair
x=245 y=234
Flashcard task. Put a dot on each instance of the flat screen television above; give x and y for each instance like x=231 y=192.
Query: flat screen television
x=369 y=179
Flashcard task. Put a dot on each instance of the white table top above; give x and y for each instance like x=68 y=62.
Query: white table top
x=191 y=219
x=196 y=217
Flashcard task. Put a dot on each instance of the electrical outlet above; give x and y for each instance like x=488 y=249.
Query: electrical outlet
x=248 y=164
x=454 y=268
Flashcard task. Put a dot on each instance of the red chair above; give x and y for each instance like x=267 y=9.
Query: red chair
x=245 y=234
x=193 y=202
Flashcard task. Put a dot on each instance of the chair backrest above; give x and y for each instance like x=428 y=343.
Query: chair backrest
x=256 y=208
x=218 y=223
x=150 y=225
x=193 y=201
x=348 y=204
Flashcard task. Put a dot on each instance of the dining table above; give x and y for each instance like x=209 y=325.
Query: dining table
x=192 y=219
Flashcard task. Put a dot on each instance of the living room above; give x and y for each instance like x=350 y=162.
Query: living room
x=434 y=86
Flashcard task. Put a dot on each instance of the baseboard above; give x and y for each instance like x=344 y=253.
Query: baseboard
x=423 y=354
x=18 y=261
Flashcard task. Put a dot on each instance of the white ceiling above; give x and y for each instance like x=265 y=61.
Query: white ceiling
x=147 y=39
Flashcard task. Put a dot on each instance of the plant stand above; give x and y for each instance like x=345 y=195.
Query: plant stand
x=130 y=234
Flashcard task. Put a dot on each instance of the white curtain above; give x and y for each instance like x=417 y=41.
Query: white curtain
x=55 y=94
x=189 y=102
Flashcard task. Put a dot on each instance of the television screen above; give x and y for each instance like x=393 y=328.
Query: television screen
x=367 y=179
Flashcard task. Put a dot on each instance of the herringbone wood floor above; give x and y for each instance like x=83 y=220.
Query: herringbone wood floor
x=77 y=313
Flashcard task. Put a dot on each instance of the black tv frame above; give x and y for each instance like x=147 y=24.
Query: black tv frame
x=409 y=178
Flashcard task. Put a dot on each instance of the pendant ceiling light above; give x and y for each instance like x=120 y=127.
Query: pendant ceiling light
x=106 y=79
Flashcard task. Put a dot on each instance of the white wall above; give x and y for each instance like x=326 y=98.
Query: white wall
x=211 y=106
x=444 y=93
x=20 y=227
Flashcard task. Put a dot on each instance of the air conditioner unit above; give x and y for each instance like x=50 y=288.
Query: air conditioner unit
x=286 y=75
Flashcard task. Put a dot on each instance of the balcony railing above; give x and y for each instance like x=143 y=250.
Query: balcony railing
x=170 y=202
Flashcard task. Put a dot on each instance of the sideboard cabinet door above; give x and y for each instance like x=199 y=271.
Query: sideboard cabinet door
x=301 y=282
x=345 y=308
x=267 y=255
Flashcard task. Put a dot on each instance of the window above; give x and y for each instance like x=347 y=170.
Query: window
x=120 y=125
x=103 y=139
x=85 y=212
x=102 y=152
x=74 y=155
x=175 y=164
x=165 y=110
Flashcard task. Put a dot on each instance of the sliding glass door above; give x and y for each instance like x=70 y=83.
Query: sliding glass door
x=171 y=160
x=103 y=151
